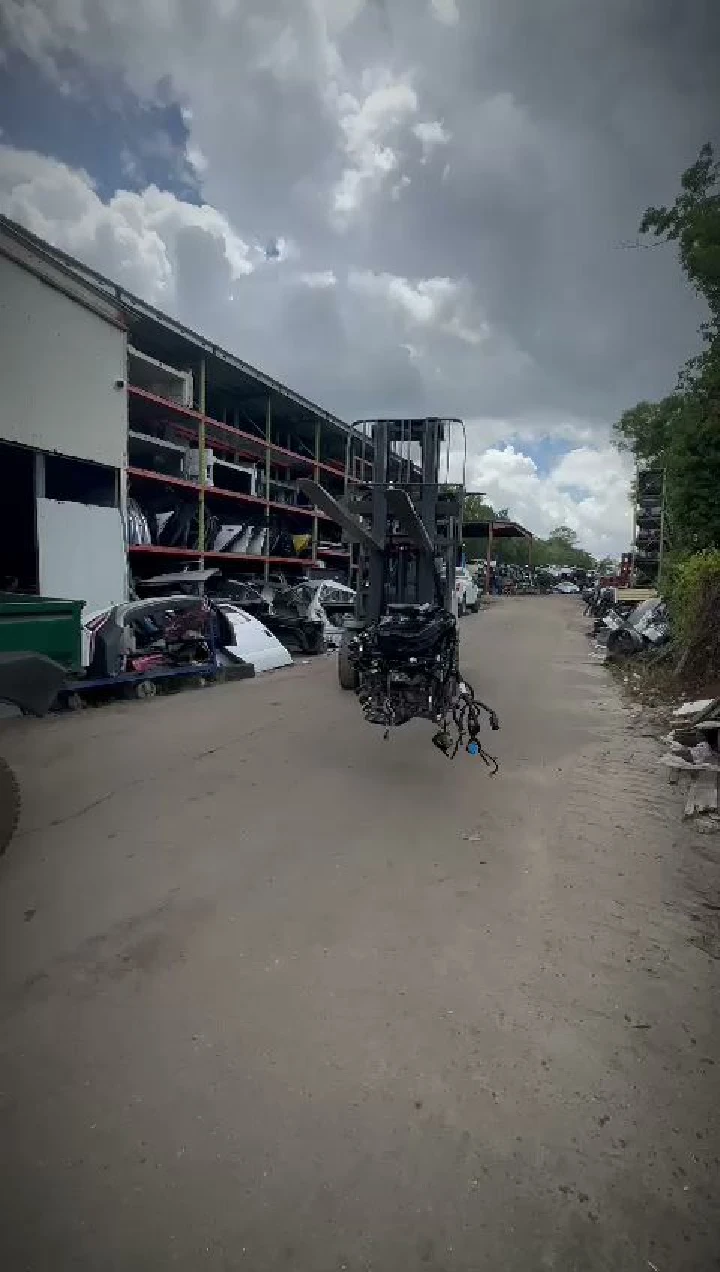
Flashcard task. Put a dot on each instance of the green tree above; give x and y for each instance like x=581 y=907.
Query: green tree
x=564 y=535
x=607 y=566
x=681 y=433
x=476 y=509
x=645 y=429
x=693 y=222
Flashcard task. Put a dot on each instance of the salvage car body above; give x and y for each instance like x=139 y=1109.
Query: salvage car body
x=331 y=603
x=285 y=619
x=252 y=641
x=179 y=629
x=325 y=604
x=282 y=612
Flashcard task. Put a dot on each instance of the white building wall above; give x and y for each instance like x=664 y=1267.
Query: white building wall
x=60 y=367
x=81 y=553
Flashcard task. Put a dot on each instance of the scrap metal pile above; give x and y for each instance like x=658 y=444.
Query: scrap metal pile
x=401 y=654
x=627 y=621
x=693 y=760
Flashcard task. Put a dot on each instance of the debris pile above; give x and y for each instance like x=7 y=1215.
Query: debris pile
x=693 y=760
x=627 y=621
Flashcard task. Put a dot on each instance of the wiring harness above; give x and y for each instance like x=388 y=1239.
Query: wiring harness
x=463 y=715
x=407 y=668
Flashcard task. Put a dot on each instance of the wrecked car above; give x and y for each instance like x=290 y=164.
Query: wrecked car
x=172 y=631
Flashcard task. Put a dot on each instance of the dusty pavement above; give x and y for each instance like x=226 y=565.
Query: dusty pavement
x=278 y=995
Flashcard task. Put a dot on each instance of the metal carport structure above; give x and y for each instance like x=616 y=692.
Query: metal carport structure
x=492 y=529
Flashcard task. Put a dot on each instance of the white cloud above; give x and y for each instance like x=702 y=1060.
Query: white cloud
x=368 y=124
x=399 y=186
x=445 y=11
x=445 y=304
x=580 y=470
x=134 y=237
x=431 y=134
x=319 y=278
x=196 y=159
x=587 y=489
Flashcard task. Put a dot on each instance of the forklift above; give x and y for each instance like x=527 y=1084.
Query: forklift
x=400 y=653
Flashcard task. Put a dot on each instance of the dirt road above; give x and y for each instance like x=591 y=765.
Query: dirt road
x=278 y=995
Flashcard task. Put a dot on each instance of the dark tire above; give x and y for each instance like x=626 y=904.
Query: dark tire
x=621 y=644
x=462 y=608
x=475 y=607
x=9 y=805
x=347 y=673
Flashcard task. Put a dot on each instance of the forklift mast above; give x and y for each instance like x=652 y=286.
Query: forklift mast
x=405 y=524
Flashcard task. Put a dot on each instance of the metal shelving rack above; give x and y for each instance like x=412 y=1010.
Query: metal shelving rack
x=167 y=427
x=184 y=394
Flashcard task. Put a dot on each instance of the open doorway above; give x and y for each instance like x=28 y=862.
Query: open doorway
x=18 y=537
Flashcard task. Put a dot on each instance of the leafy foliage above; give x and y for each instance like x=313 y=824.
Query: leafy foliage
x=475 y=509
x=693 y=591
x=694 y=223
x=645 y=429
x=681 y=433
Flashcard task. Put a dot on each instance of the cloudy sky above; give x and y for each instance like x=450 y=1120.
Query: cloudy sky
x=396 y=206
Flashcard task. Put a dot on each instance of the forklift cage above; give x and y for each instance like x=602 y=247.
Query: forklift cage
x=403 y=523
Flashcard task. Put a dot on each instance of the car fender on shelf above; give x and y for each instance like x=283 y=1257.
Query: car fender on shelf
x=253 y=642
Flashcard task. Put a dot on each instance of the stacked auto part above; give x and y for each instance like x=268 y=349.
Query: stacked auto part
x=651 y=540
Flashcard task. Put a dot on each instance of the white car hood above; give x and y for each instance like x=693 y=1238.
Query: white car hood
x=253 y=642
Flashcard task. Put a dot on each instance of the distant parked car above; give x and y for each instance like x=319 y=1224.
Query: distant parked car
x=466 y=591
x=566 y=588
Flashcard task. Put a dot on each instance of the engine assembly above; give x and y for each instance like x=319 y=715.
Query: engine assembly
x=407 y=669
x=401 y=654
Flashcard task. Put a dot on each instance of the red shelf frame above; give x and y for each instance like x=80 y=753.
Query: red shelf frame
x=148 y=474
x=279 y=456
x=158 y=549
x=167 y=479
x=286 y=456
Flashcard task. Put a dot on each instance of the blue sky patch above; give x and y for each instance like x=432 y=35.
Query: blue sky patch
x=98 y=125
x=545 y=452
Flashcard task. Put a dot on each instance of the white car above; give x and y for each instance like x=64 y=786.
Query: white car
x=566 y=588
x=467 y=593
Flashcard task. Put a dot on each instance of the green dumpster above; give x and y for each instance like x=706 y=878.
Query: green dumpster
x=42 y=625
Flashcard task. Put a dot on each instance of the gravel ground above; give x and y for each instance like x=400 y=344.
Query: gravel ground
x=276 y=994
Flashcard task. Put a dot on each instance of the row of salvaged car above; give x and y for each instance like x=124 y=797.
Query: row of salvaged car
x=627 y=624
x=190 y=617
x=195 y=616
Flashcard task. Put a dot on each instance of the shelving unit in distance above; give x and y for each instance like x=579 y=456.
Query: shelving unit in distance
x=214 y=452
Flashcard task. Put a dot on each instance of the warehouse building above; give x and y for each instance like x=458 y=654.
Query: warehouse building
x=130 y=445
